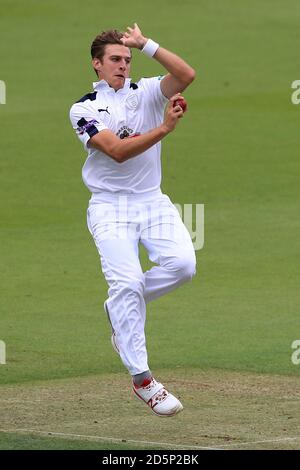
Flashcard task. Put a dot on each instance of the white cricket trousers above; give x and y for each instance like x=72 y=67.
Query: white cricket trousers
x=118 y=223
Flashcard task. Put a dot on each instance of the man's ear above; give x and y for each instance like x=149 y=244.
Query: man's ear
x=97 y=64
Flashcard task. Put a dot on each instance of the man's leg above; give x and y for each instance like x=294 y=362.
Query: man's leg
x=127 y=311
x=126 y=305
x=169 y=244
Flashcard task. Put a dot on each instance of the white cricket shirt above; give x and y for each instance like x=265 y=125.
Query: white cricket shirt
x=133 y=110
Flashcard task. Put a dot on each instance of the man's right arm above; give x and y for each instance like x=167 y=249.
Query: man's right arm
x=121 y=150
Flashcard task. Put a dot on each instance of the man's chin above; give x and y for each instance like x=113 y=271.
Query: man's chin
x=118 y=83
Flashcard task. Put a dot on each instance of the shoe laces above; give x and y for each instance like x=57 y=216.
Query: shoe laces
x=160 y=396
x=150 y=385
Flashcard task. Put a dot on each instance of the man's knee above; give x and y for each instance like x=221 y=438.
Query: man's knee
x=186 y=268
x=183 y=265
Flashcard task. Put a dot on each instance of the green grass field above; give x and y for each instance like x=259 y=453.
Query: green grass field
x=236 y=151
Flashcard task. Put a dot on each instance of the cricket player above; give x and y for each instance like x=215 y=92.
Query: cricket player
x=121 y=125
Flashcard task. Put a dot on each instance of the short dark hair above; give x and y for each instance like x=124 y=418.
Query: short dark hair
x=111 y=36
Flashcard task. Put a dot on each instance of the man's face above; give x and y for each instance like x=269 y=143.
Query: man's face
x=115 y=65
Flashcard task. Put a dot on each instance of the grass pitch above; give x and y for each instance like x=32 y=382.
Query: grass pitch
x=236 y=151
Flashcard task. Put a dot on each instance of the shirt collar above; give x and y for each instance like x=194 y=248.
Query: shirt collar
x=102 y=84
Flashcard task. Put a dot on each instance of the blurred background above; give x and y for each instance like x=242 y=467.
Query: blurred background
x=236 y=151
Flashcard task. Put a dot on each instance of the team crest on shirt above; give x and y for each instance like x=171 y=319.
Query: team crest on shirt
x=132 y=101
x=125 y=131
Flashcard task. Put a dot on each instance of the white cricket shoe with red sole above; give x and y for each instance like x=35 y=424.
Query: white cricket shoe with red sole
x=154 y=394
x=113 y=336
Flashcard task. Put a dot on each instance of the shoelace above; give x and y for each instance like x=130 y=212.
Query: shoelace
x=160 y=396
x=150 y=385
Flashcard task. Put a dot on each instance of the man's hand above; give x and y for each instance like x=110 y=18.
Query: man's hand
x=134 y=37
x=172 y=114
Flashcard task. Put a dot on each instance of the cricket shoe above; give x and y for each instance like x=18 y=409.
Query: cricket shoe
x=113 y=336
x=161 y=402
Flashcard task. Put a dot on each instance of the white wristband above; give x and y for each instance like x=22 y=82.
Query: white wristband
x=150 y=48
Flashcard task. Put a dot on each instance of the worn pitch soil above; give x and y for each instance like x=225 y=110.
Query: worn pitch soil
x=222 y=410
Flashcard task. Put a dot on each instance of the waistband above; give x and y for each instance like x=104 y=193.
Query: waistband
x=108 y=196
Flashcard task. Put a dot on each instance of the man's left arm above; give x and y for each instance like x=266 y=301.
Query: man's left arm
x=180 y=73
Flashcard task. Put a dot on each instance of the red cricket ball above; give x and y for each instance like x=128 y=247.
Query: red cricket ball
x=182 y=103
